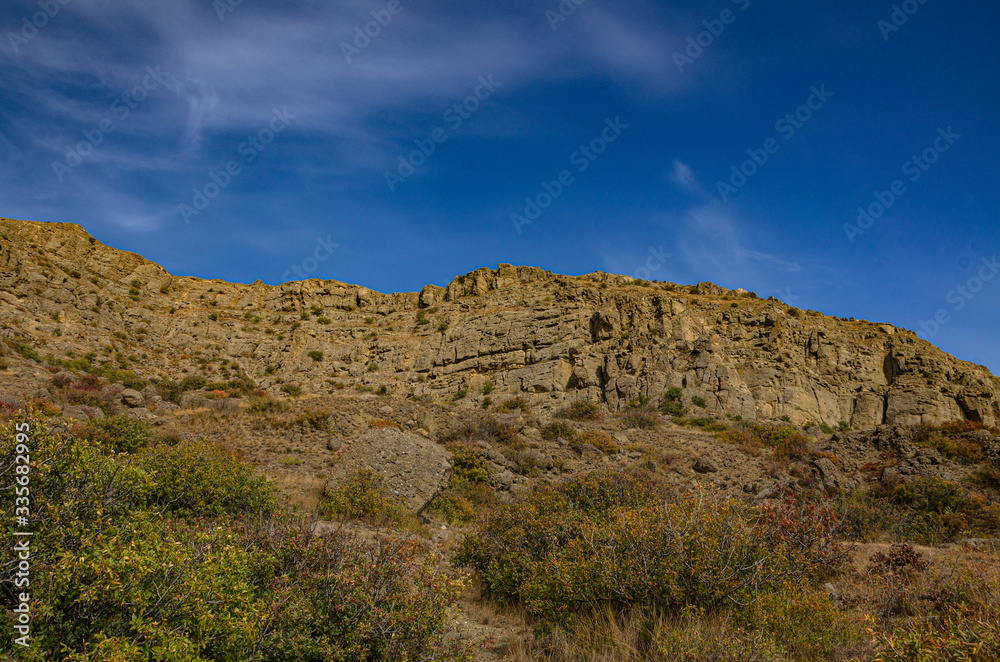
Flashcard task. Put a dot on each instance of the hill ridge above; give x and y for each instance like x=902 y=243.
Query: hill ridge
x=551 y=338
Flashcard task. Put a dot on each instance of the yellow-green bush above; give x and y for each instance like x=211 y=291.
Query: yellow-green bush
x=199 y=479
x=600 y=440
x=616 y=540
x=121 y=433
x=580 y=410
x=365 y=496
x=120 y=577
x=786 y=442
x=510 y=405
x=467 y=487
x=926 y=510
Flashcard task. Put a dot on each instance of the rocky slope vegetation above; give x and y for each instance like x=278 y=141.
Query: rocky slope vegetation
x=438 y=427
x=64 y=297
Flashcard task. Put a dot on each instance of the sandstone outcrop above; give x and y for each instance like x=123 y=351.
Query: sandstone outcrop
x=550 y=338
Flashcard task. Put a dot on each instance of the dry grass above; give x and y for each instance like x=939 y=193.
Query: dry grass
x=636 y=637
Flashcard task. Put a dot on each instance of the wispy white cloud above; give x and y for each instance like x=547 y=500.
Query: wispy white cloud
x=711 y=240
x=233 y=73
x=683 y=177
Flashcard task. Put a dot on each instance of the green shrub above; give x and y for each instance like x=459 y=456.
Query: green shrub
x=199 y=479
x=317 y=420
x=467 y=487
x=987 y=477
x=639 y=418
x=967 y=633
x=488 y=388
x=291 y=390
x=707 y=424
x=316 y=356
x=580 y=410
x=557 y=429
x=28 y=353
x=927 y=510
x=381 y=603
x=672 y=408
x=365 y=496
x=600 y=440
x=698 y=401
x=124 y=580
x=120 y=434
x=624 y=541
x=674 y=394
x=512 y=404
x=442 y=327
x=786 y=442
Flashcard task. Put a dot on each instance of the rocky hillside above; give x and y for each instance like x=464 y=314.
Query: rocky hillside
x=64 y=297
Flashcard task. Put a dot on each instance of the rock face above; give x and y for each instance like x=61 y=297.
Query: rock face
x=414 y=468
x=552 y=339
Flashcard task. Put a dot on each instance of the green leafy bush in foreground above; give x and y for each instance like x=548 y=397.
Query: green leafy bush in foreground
x=179 y=552
x=623 y=541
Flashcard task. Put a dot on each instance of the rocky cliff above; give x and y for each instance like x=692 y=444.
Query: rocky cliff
x=66 y=296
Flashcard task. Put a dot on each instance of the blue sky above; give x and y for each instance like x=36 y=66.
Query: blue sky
x=236 y=139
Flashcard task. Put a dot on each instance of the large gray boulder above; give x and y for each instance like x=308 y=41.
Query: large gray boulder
x=415 y=469
x=132 y=398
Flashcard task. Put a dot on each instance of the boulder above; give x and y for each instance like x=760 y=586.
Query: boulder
x=704 y=465
x=828 y=470
x=81 y=413
x=415 y=469
x=132 y=398
x=142 y=414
